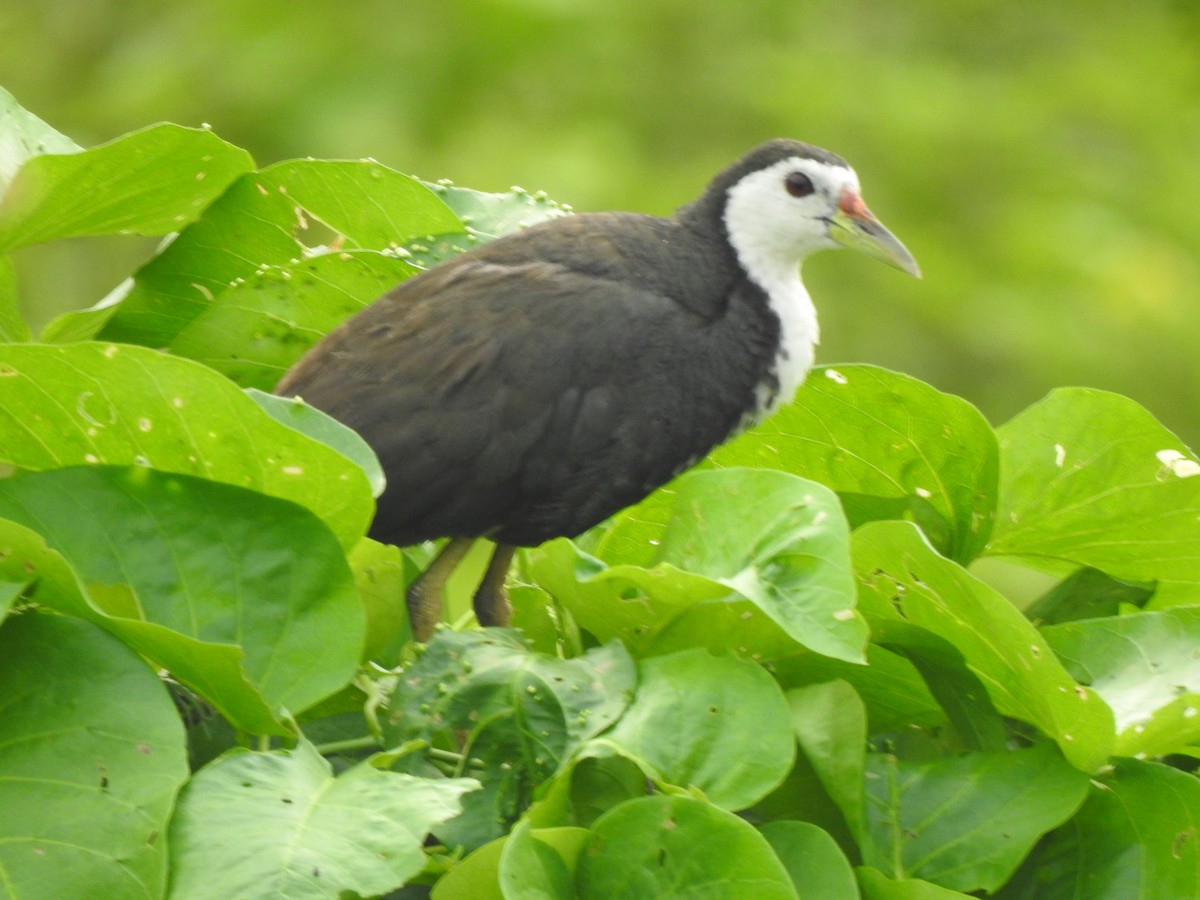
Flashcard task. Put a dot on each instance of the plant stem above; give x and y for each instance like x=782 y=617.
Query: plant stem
x=358 y=743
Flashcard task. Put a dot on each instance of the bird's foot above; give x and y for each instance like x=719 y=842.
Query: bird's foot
x=424 y=596
x=491 y=598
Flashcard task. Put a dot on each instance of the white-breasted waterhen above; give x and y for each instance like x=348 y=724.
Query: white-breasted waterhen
x=532 y=387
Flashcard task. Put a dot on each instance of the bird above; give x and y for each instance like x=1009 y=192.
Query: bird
x=533 y=386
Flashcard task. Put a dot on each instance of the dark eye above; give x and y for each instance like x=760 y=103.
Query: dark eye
x=798 y=184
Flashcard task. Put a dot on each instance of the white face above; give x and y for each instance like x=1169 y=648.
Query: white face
x=777 y=216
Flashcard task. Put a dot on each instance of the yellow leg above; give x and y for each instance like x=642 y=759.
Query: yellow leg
x=425 y=594
x=491 y=599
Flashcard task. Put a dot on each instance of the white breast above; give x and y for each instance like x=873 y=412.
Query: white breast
x=799 y=335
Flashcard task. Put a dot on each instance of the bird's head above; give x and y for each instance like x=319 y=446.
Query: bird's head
x=785 y=200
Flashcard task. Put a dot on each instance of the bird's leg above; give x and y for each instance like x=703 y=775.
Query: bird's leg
x=491 y=599
x=425 y=594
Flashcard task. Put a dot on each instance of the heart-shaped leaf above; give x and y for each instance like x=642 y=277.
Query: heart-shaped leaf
x=246 y=598
x=678 y=846
x=1091 y=479
x=280 y=824
x=750 y=560
x=92 y=754
x=89 y=404
x=714 y=723
x=891 y=446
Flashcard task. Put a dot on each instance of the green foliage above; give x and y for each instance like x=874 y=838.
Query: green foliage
x=816 y=864
x=785 y=577
x=1139 y=524
x=361 y=830
x=154 y=182
x=24 y=136
x=515 y=716
x=94 y=404
x=1145 y=668
x=783 y=675
x=270 y=570
x=892 y=448
x=663 y=846
x=966 y=821
x=92 y=756
x=729 y=710
x=1139 y=805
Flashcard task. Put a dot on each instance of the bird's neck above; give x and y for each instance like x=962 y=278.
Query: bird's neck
x=799 y=334
x=774 y=270
x=778 y=276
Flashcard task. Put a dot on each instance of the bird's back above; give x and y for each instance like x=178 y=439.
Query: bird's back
x=532 y=387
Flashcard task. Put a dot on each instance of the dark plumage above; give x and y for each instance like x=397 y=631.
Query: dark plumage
x=536 y=385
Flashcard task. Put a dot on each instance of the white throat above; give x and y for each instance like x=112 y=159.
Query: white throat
x=799 y=334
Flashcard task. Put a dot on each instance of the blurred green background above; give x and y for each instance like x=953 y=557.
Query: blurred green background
x=1041 y=160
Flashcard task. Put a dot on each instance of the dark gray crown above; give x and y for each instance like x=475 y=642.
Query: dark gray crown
x=709 y=207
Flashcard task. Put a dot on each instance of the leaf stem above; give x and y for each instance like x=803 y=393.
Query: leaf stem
x=359 y=743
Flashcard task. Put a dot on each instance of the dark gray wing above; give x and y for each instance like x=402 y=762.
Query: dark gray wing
x=522 y=400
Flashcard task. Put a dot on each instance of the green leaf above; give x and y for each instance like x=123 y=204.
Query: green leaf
x=802 y=797
x=24 y=136
x=487 y=696
x=1091 y=479
x=714 y=723
x=741 y=559
x=780 y=542
x=484 y=216
x=255 y=330
x=152 y=181
x=817 y=866
x=634 y=603
x=383 y=573
x=1146 y=668
x=105 y=403
x=475 y=676
x=92 y=754
x=260 y=222
x=1136 y=838
x=245 y=598
x=830 y=722
x=1085 y=594
x=541 y=620
x=279 y=824
x=895 y=694
x=247 y=227
x=12 y=591
x=215 y=670
x=585 y=788
x=491 y=215
x=370 y=205
x=477 y=877
x=27 y=560
x=962 y=695
x=657 y=847
x=877 y=886
x=891 y=446
x=907 y=584
x=531 y=869
x=12 y=324
x=966 y=822
x=320 y=426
